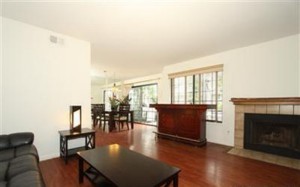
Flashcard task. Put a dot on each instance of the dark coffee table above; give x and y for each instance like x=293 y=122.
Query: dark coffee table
x=114 y=165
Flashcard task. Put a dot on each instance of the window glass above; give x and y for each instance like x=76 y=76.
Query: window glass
x=197 y=89
x=142 y=97
x=107 y=94
x=220 y=97
x=179 y=90
x=205 y=88
x=189 y=90
x=208 y=93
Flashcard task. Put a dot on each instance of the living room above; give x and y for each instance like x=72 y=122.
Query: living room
x=41 y=79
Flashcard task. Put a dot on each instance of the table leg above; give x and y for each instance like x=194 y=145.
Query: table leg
x=93 y=141
x=111 y=121
x=80 y=169
x=86 y=142
x=66 y=150
x=90 y=141
x=175 y=181
x=131 y=119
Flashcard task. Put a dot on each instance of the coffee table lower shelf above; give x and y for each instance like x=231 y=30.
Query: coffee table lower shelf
x=95 y=178
x=73 y=151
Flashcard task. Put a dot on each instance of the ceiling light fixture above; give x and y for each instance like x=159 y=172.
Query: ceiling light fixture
x=114 y=89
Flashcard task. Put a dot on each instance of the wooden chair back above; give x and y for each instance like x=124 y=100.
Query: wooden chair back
x=124 y=107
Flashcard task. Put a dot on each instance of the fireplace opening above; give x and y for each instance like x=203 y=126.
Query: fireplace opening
x=272 y=133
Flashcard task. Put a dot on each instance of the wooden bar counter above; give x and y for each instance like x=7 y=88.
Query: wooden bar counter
x=182 y=122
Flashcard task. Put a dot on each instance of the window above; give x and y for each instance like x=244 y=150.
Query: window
x=179 y=90
x=201 y=86
x=141 y=97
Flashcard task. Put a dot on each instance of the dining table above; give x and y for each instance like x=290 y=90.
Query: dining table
x=113 y=113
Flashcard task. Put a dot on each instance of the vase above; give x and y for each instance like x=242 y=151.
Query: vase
x=114 y=108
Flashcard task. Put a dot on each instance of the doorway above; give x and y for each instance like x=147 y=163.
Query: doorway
x=142 y=96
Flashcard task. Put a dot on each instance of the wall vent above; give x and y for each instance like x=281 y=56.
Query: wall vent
x=56 y=40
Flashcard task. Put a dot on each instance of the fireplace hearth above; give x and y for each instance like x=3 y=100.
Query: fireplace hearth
x=273 y=133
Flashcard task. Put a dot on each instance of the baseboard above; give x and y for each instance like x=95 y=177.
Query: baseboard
x=47 y=157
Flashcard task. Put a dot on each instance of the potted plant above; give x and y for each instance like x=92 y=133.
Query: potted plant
x=125 y=100
x=114 y=103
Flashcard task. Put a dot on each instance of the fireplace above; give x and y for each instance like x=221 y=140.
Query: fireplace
x=273 y=138
x=273 y=133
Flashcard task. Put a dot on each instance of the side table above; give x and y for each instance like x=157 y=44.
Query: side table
x=67 y=135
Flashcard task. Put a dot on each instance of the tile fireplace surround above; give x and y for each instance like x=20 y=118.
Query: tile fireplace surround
x=286 y=105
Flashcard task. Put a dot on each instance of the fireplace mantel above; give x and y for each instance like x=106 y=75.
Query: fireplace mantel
x=269 y=101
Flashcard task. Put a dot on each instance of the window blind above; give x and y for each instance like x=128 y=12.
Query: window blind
x=197 y=71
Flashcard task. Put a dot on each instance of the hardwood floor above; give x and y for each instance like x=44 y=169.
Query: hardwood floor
x=200 y=166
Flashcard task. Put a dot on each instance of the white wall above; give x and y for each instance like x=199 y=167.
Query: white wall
x=97 y=94
x=1 y=74
x=299 y=51
x=40 y=81
x=268 y=69
x=299 y=60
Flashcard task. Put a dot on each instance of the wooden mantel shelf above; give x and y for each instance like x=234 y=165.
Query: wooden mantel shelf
x=266 y=101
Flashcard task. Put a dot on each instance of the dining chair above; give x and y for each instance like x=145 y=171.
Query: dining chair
x=104 y=119
x=95 y=114
x=99 y=115
x=122 y=116
x=92 y=112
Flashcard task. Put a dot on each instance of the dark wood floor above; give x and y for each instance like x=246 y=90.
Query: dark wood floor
x=201 y=166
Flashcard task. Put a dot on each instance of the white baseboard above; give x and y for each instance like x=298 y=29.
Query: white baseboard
x=47 y=157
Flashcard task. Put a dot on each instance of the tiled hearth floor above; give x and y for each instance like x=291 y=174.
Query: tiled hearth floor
x=265 y=157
